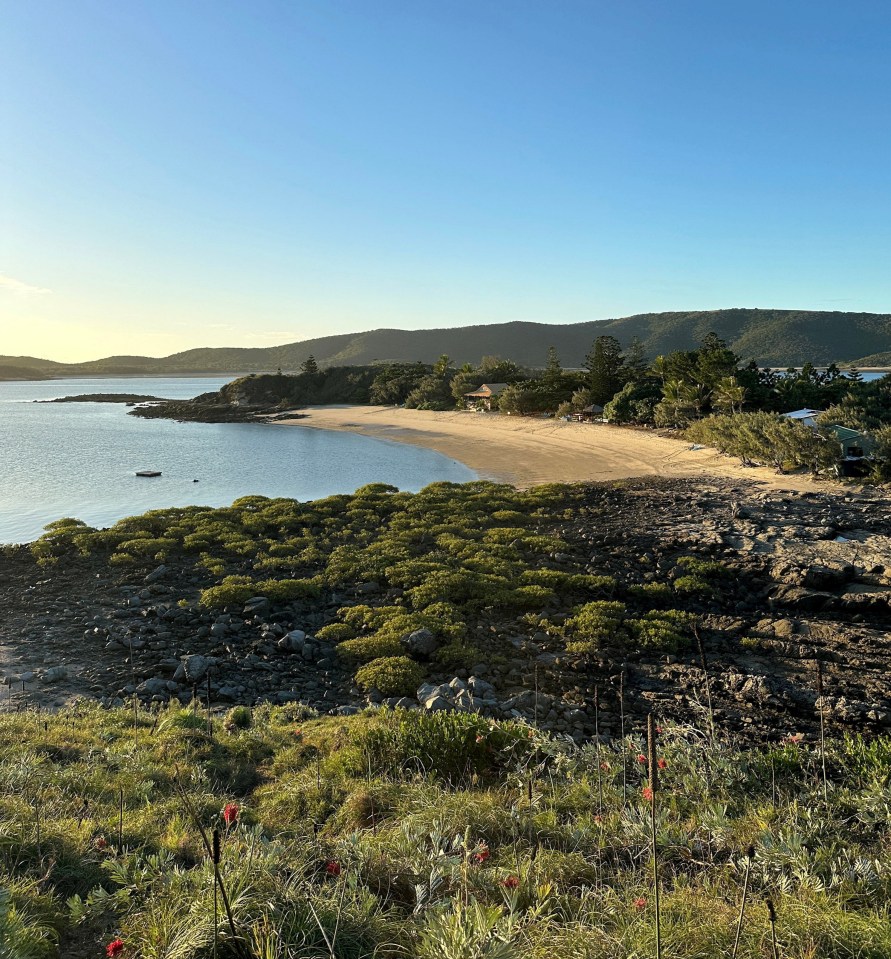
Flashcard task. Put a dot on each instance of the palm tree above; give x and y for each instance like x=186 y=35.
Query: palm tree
x=730 y=395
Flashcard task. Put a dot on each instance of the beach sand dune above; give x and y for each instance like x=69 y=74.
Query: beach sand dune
x=527 y=451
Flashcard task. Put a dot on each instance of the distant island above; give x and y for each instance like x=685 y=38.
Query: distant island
x=778 y=338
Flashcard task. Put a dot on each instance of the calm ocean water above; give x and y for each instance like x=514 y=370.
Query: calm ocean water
x=79 y=459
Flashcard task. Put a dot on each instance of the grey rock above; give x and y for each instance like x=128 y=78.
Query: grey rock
x=347 y=711
x=156 y=574
x=293 y=640
x=479 y=687
x=438 y=704
x=255 y=605
x=194 y=668
x=54 y=674
x=156 y=686
x=421 y=642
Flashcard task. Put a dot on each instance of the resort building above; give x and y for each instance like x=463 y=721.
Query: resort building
x=483 y=396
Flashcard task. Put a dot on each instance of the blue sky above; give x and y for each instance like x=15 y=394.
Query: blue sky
x=178 y=174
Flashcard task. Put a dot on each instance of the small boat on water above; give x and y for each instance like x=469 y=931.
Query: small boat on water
x=148 y=472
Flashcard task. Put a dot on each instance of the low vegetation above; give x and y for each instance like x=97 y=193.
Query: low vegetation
x=437 y=837
x=437 y=560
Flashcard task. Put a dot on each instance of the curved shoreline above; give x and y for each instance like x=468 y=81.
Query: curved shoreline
x=525 y=451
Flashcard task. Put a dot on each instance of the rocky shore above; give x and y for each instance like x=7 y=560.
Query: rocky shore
x=811 y=578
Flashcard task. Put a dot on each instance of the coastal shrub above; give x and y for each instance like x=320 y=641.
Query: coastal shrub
x=59 y=536
x=448 y=747
x=391 y=676
x=594 y=625
x=651 y=593
x=663 y=630
x=459 y=586
x=703 y=568
x=604 y=585
x=336 y=632
x=458 y=655
x=363 y=649
x=530 y=597
x=550 y=578
x=238 y=717
x=386 y=626
x=232 y=591
x=287 y=590
x=694 y=586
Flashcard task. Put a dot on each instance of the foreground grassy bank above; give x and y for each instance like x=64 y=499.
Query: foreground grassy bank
x=448 y=835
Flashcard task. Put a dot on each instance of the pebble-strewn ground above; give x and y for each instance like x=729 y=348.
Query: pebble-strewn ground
x=811 y=577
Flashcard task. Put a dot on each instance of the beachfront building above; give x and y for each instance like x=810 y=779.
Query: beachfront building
x=856 y=447
x=589 y=414
x=483 y=396
x=805 y=417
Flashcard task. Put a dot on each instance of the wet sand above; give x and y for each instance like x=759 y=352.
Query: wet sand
x=527 y=451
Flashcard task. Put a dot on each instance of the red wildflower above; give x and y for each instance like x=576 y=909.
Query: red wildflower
x=511 y=882
x=332 y=868
x=480 y=739
x=481 y=856
x=230 y=813
x=605 y=766
x=662 y=764
x=298 y=733
x=102 y=843
x=648 y=794
x=641 y=758
x=659 y=730
x=598 y=819
x=640 y=903
x=114 y=948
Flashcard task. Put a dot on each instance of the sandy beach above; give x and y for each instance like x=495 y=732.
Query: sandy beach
x=526 y=451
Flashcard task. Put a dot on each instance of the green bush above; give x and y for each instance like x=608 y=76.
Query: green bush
x=595 y=625
x=458 y=655
x=239 y=717
x=391 y=676
x=652 y=593
x=450 y=747
x=336 y=632
x=663 y=630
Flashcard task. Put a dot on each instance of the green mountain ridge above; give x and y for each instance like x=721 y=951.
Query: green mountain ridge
x=772 y=337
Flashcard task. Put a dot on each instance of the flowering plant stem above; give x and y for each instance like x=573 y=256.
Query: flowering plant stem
x=218 y=879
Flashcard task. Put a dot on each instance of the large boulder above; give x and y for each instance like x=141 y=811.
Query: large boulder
x=193 y=668
x=421 y=642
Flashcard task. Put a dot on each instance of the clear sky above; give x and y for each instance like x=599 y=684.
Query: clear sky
x=179 y=173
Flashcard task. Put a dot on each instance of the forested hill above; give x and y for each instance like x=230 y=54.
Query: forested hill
x=772 y=337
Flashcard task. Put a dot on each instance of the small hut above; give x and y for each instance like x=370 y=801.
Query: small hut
x=589 y=414
x=483 y=396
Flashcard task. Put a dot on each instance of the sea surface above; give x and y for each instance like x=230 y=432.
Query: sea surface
x=80 y=459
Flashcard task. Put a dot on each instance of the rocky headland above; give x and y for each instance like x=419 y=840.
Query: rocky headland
x=808 y=577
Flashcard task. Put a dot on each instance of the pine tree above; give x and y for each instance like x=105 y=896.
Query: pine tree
x=309 y=365
x=604 y=365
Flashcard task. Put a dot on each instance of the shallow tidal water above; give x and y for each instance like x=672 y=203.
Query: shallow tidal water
x=80 y=459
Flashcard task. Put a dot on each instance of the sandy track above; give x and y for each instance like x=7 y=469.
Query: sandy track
x=526 y=451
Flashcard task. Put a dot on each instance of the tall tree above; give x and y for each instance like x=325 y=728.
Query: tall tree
x=553 y=372
x=636 y=361
x=604 y=365
x=309 y=365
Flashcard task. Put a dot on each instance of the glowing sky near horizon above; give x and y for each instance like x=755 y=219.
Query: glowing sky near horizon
x=181 y=174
